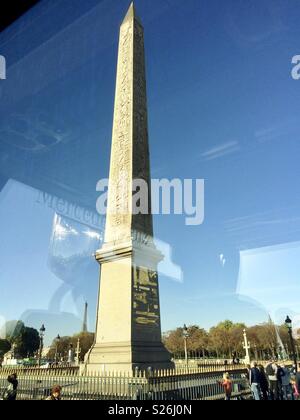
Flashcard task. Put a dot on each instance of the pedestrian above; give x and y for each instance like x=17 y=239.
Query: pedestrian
x=248 y=368
x=286 y=383
x=255 y=380
x=280 y=375
x=295 y=389
x=55 y=394
x=227 y=385
x=297 y=377
x=10 y=394
x=264 y=383
x=272 y=374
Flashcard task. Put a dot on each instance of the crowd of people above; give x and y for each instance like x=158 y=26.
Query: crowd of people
x=274 y=382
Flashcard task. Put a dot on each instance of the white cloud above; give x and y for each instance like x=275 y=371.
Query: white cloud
x=221 y=150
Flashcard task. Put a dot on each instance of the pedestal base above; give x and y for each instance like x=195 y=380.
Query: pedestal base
x=127 y=358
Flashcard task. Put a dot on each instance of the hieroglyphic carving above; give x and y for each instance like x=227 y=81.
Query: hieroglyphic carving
x=130 y=150
x=146 y=309
x=119 y=210
x=141 y=169
x=129 y=329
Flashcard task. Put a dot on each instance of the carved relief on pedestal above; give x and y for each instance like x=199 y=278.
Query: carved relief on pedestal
x=145 y=297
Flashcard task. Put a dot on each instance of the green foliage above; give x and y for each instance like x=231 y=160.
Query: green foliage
x=62 y=346
x=25 y=339
x=174 y=341
x=227 y=338
x=86 y=341
x=12 y=330
x=5 y=346
x=28 y=342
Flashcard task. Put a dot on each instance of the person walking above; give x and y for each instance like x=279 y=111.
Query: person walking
x=280 y=375
x=295 y=389
x=272 y=374
x=55 y=394
x=227 y=385
x=264 y=383
x=248 y=369
x=10 y=394
x=297 y=377
x=286 y=383
x=255 y=381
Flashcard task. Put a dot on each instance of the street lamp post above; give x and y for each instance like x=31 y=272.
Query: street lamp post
x=71 y=354
x=288 y=323
x=42 y=334
x=185 y=337
x=286 y=351
x=78 y=351
x=255 y=352
x=57 y=341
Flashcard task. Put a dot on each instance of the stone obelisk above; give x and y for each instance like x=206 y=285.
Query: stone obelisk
x=128 y=333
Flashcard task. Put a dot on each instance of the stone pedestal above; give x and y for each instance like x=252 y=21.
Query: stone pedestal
x=128 y=326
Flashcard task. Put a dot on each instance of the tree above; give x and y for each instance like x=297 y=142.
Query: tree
x=197 y=339
x=28 y=342
x=12 y=330
x=25 y=339
x=5 y=346
x=61 y=347
x=86 y=341
x=284 y=334
x=174 y=341
x=267 y=339
x=226 y=338
x=236 y=338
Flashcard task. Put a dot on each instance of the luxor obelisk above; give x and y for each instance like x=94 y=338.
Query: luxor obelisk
x=128 y=333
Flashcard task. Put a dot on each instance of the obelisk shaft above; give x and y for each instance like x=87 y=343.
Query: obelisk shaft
x=128 y=333
x=130 y=150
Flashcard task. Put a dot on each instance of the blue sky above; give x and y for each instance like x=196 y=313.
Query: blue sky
x=222 y=107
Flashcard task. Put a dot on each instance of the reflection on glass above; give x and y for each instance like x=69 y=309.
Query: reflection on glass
x=71 y=254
